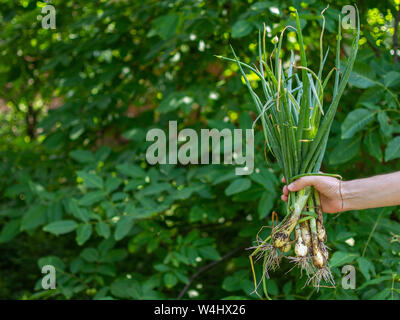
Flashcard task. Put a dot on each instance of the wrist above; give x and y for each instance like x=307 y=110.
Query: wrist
x=349 y=195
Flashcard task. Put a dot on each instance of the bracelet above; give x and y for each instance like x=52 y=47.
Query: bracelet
x=340 y=191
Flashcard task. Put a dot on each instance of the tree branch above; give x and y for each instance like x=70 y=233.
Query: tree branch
x=31 y=121
x=206 y=267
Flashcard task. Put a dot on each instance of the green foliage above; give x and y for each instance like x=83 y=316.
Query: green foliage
x=76 y=190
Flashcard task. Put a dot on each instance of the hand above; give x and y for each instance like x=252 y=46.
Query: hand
x=327 y=187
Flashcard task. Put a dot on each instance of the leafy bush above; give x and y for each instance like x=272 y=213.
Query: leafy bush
x=77 y=193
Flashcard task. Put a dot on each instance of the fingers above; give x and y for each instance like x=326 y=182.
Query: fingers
x=298 y=185
x=285 y=191
x=301 y=183
x=285 y=194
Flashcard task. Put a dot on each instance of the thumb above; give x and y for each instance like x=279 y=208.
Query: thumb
x=301 y=183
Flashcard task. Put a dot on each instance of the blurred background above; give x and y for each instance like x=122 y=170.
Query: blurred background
x=76 y=191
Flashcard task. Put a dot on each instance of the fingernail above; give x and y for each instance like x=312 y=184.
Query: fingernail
x=291 y=186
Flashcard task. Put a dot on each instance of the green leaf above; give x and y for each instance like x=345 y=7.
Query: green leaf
x=91 y=198
x=132 y=289
x=192 y=254
x=75 y=133
x=119 y=196
x=78 y=212
x=340 y=258
x=375 y=281
x=272 y=287
x=366 y=267
x=287 y=287
x=108 y=270
x=90 y=254
x=182 y=277
x=265 y=178
x=131 y=170
x=362 y=76
x=135 y=134
x=174 y=101
x=382 y=295
x=197 y=214
x=161 y=267
x=40 y=191
x=166 y=26
x=238 y=281
x=103 y=230
x=82 y=156
x=61 y=227
x=393 y=149
x=209 y=252
x=266 y=203
x=124 y=225
x=187 y=191
x=91 y=180
x=114 y=255
x=383 y=120
x=238 y=185
x=112 y=183
x=83 y=233
x=370 y=106
x=10 y=230
x=102 y=153
x=231 y=283
x=392 y=79
x=153 y=189
x=170 y=280
x=355 y=121
x=109 y=209
x=120 y=288
x=245 y=121
x=222 y=177
x=372 y=143
x=34 y=217
x=55 y=211
x=345 y=150
x=132 y=184
x=241 y=28
x=262 y=5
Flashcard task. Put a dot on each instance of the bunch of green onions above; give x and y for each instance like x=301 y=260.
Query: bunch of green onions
x=296 y=128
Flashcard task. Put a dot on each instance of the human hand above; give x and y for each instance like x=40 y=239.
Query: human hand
x=327 y=187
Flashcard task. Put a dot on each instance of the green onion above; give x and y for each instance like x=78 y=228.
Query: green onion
x=296 y=126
